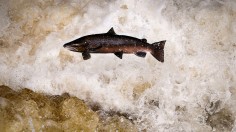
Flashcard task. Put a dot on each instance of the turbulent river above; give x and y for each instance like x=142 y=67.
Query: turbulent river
x=193 y=90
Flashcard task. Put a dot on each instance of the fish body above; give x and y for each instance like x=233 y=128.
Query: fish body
x=110 y=42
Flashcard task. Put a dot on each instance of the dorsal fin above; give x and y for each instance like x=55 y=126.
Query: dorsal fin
x=144 y=40
x=111 y=31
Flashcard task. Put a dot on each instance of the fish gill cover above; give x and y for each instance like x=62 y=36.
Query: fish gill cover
x=194 y=90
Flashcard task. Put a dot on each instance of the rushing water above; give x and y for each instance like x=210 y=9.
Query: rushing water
x=193 y=90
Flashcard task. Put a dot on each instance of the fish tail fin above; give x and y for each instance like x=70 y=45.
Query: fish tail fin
x=158 y=50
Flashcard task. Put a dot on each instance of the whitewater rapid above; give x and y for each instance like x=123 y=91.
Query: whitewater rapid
x=196 y=81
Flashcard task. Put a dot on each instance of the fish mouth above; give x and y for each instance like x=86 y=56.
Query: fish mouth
x=69 y=47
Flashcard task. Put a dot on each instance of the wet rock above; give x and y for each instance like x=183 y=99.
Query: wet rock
x=77 y=116
x=26 y=110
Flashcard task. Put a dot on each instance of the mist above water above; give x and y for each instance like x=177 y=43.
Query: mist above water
x=196 y=83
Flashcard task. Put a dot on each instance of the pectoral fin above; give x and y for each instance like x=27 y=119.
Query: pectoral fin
x=119 y=54
x=86 y=55
x=141 y=54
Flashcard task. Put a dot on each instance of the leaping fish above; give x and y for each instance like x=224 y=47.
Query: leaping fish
x=110 y=42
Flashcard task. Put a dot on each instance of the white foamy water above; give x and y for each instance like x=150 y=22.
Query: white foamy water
x=197 y=79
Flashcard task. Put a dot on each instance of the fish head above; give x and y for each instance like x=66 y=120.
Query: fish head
x=78 y=45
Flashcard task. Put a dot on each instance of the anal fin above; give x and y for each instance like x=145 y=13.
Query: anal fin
x=119 y=54
x=86 y=55
x=141 y=54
